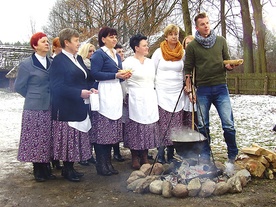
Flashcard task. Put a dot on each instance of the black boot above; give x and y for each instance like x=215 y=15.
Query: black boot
x=170 y=153
x=101 y=165
x=161 y=155
x=56 y=164
x=48 y=171
x=108 y=160
x=84 y=163
x=38 y=172
x=79 y=174
x=116 y=153
x=69 y=173
x=92 y=160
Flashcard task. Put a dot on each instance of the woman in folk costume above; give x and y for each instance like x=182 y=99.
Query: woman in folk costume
x=85 y=51
x=32 y=83
x=70 y=81
x=141 y=129
x=106 y=122
x=168 y=60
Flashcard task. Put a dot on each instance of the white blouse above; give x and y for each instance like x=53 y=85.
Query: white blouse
x=168 y=82
x=143 y=106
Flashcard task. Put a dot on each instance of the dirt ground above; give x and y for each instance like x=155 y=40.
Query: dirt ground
x=18 y=188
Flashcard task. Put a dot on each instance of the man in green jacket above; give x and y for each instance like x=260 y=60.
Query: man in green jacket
x=206 y=54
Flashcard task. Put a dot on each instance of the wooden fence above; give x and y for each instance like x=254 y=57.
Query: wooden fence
x=252 y=83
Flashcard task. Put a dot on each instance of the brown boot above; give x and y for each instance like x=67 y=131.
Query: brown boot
x=135 y=159
x=144 y=157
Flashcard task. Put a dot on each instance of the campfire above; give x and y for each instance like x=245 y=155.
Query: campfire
x=188 y=177
x=183 y=181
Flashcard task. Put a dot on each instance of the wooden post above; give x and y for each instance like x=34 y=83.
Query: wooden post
x=266 y=85
x=236 y=85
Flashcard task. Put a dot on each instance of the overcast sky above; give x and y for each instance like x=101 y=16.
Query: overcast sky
x=16 y=17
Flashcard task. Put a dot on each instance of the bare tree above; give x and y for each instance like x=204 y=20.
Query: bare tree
x=261 y=64
x=186 y=17
x=229 y=18
x=127 y=16
x=33 y=29
x=247 y=37
x=222 y=17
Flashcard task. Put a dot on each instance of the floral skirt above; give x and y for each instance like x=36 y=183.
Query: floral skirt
x=141 y=136
x=36 y=143
x=105 y=130
x=169 y=121
x=70 y=144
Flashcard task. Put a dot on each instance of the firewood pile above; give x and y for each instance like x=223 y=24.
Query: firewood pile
x=260 y=162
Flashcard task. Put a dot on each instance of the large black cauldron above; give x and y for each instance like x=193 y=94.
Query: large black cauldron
x=188 y=143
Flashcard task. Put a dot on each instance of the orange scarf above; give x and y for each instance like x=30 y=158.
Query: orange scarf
x=169 y=54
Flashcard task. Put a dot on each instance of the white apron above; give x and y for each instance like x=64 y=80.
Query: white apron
x=167 y=100
x=83 y=126
x=143 y=106
x=111 y=99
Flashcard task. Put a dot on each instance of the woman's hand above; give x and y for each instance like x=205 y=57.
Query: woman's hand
x=85 y=93
x=186 y=90
x=192 y=97
x=93 y=90
x=123 y=75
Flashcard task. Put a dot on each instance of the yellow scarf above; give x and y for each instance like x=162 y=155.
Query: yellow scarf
x=171 y=55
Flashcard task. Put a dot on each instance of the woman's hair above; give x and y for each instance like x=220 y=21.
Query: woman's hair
x=104 y=32
x=118 y=46
x=135 y=41
x=67 y=34
x=84 y=50
x=171 y=28
x=34 y=39
x=200 y=16
x=55 y=44
x=191 y=37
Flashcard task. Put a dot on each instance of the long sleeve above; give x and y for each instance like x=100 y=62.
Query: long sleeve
x=103 y=68
x=189 y=62
x=21 y=81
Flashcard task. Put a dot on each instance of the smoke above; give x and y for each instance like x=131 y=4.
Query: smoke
x=186 y=135
x=229 y=169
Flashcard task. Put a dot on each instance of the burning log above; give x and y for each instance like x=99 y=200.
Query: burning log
x=210 y=175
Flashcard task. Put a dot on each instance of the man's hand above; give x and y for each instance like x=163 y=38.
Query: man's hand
x=188 y=89
x=230 y=67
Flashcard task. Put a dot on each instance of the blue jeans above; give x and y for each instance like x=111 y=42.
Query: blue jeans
x=219 y=96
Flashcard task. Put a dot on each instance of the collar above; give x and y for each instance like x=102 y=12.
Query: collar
x=107 y=51
x=42 y=60
x=70 y=55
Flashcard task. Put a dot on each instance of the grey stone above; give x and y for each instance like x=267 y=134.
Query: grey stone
x=207 y=188
x=194 y=187
x=167 y=189
x=180 y=191
x=155 y=187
